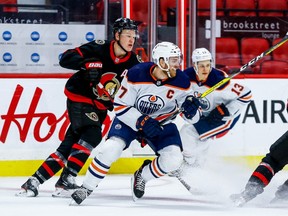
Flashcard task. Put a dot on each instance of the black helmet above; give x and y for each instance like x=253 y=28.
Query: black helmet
x=124 y=23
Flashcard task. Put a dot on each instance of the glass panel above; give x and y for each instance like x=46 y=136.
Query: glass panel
x=245 y=29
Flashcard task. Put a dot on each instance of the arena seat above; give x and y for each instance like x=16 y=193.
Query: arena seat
x=274 y=67
x=241 y=8
x=281 y=5
x=205 y=6
x=252 y=47
x=9 y=9
x=163 y=9
x=281 y=53
x=227 y=52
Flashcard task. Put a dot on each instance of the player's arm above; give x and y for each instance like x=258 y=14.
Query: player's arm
x=76 y=58
x=240 y=97
x=124 y=104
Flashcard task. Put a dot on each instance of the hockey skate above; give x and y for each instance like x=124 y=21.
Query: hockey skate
x=252 y=189
x=65 y=185
x=29 y=188
x=138 y=183
x=80 y=195
x=281 y=193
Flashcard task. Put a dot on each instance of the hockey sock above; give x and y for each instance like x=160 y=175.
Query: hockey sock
x=263 y=174
x=152 y=170
x=95 y=173
x=79 y=154
x=50 y=167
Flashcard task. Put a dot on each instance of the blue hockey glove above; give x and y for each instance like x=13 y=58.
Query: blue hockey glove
x=150 y=127
x=217 y=114
x=190 y=106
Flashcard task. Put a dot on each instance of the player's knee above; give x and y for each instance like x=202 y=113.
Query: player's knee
x=110 y=151
x=170 y=158
x=92 y=135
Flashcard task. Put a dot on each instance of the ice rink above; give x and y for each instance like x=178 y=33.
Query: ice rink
x=163 y=197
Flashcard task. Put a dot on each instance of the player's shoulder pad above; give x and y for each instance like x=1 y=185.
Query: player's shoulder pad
x=139 y=58
x=100 y=42
x=182 y=80
x=191 y=73
x=140 y=72
x=216 y=76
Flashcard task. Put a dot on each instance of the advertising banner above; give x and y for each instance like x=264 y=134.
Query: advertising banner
x=33 y=119
x=37 y=48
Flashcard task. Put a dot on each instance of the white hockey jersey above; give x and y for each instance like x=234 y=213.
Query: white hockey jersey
x=140 y=93
x=233 y=95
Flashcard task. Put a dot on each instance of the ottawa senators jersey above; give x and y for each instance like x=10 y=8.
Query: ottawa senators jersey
x=79 y=89
x=141 y=93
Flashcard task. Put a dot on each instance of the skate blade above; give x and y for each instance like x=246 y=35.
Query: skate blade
x=73 y=203
x=62 y=193
x=24 y=193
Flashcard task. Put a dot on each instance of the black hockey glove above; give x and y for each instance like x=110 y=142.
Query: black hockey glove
x=217 y=114
x=190 y=106
x=94 y=70
x=150 y=127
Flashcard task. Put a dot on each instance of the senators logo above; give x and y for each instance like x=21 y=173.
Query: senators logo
x=110 y=84
x=93 y=116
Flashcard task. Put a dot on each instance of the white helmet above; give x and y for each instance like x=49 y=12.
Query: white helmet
x=165 y=50
x=200 y=54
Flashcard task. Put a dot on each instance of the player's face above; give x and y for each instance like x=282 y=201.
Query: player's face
x=174 y=63
x=204 y=68
x=127 y=39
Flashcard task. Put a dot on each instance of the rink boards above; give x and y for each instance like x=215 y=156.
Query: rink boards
x=34 y=120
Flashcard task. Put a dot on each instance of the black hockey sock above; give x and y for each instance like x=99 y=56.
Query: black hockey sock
x=78 y=157
x=263 y=174
x=50 y=167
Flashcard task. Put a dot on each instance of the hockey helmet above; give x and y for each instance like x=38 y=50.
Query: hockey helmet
x=201 y=54
x=124 y=23
x=166 y=50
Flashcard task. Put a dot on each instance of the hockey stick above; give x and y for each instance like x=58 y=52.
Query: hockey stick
x=251 y=62
x=225 y=80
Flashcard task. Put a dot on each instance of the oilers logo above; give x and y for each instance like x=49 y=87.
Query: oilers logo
x=205 y=105
x=149 y=104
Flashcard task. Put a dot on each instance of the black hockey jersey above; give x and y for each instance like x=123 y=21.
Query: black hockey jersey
x=79 y=89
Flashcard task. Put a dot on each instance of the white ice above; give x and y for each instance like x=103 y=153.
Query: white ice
x=163 y=197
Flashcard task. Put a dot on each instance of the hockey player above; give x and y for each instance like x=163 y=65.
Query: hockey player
x=221 y=110
x=273 y=162
x=149 y=93
x=90 y=94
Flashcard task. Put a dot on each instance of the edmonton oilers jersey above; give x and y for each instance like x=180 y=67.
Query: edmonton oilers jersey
x=141 y=93
x=232 y=94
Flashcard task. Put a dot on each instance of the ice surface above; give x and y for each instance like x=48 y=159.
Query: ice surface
x=163 y=197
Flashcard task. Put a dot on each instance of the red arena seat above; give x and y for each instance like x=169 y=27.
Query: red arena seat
x=274 y=67
x=205 y=5
x=241 y=8
x=281 y=53
x=252 y=47
x=227 y=52
x=281 y=5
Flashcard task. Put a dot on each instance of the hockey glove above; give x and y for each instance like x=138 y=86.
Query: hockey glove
x=150 y=127
x=94 y=71
x=190 y=106
x=217 y=114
